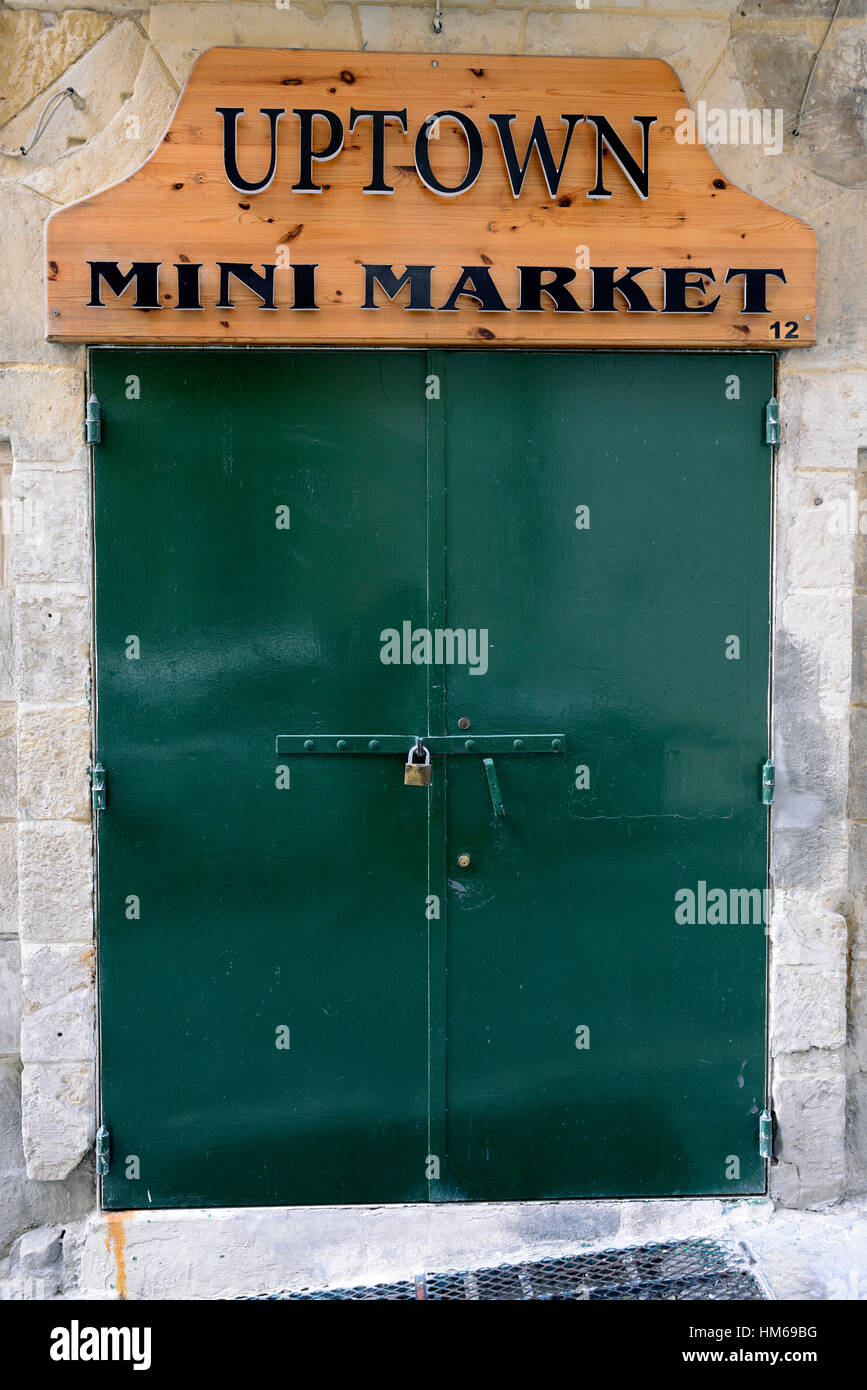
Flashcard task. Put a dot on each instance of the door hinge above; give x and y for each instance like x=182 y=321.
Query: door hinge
x=766 y=1134
x=103 y=1151
x=768 y=783
x=97 y=786
x=93 y=420
x=772 y=421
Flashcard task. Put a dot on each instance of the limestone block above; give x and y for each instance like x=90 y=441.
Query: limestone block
x=810 y=1113
x=121 y=146
x=856 y=1133
x=55 y=893
x=839 y=223
x=10 y=996
x=57 y=1002
x=52 y=643
x=181 y=33
x=808 y=1009
x=819 y=624
x=832 y=125
x=38 y=1248
x=24 y=1202
x=7 y=679
x=42 y=412
x=57 y=1117
x=8 y=779
x=858 y=764
x=408 y=29
x=787 y=9
x=8 y=877
x=33 y=54
x=823 y=417
x=692 y=46
x=53 y=512
x=807 y=980
x=774 y=64
x=54 y=754
x=815 y=516
x=21 y=277
x=104 y=78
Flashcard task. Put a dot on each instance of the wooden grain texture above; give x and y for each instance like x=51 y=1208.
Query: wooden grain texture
x=179 y=207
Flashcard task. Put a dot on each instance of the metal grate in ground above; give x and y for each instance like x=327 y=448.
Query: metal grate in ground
x=689 y=1270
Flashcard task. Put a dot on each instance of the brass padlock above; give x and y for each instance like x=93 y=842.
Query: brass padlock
x=417 y=774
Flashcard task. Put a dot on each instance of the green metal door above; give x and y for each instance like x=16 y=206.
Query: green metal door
x=319 y=985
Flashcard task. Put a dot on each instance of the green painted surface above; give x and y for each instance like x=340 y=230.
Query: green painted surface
x=304 y=907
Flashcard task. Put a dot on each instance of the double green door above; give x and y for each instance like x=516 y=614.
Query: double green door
x=544 y=975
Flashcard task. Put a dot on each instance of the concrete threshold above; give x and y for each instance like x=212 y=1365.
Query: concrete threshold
x=232 y=1252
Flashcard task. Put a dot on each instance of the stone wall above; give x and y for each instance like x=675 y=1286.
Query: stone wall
x=128 y=64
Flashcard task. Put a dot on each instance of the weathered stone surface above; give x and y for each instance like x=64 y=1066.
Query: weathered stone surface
x=409 y=29
x=8 y=877
x=54 y=509
x=10 y=996
x=808 y=981
x=823 y=417
x=8 y=771
x=819 y=623
x=21 y=278
x=25 y=1203
x=774 y=62
x=37 y=1249
x=42 y=412
x=52 y=643
x=33 y=54
x=57 y=1002
x=858 y=764
x=839 y=221
x=181 y=33
x=856 y=1133
x=54 y=753
x=810 y=1114
x=57 y=1117
x=55 y=882
x=692 y=46
x=7 y=679
x=788 y=9
x=104 y=78
x=118 y=148
x=814 y=528
x=832 y=125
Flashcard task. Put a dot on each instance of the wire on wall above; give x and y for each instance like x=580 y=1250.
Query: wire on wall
x=51 y=106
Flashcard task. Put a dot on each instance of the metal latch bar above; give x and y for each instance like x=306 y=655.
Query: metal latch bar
x=494 y=787
x=439 y=744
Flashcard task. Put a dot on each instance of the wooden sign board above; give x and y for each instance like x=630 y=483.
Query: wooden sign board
x=377 y=198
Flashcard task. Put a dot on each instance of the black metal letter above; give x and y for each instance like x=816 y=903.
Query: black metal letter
x=418 y=277
x=604 y=285
x=679 y=279
x=532 y=289
x=475 y=153
x=145 y=274
x=188 y=286
x=230 y=116
x=538 y=140
x=607 y=135
x=755 y=288
x=306 y=152
x=262 y=285
x=378 y=119
x=476 y=283
x=305 y=287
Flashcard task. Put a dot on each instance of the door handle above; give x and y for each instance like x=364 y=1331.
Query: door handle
x=494 y=786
